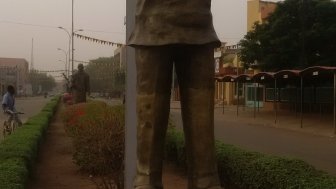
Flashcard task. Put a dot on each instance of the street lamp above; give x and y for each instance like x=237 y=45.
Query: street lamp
x=72 y=51
x=66 y=58
x=72 y=34
x=65 y=65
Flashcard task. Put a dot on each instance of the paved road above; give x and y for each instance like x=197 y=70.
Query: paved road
x=30 y=106
x=319 y=151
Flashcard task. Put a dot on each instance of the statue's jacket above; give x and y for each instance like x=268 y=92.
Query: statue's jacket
x=163 y=22
x=81 y=82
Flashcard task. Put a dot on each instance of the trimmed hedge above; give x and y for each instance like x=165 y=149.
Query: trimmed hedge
x=18 y=151
x=240 y=169
x=98 y=136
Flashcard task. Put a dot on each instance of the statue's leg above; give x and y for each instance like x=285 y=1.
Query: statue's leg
x=75 y=97
x=195 y=72
x=81 y=95
x=154 y=79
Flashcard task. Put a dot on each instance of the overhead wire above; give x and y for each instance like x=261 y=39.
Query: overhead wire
x=56 y=27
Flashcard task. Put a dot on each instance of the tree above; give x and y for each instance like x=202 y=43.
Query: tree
x=41 y=82
x=98 y=70
x=106 y=76
x=299 y=34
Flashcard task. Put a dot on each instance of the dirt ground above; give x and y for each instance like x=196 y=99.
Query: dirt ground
x=55 y=168
x=174 y=178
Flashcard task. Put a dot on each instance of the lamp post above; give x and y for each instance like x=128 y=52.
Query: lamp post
x=72 y=37
x=73 y=49
x=65 y=65
x=70 y=52
x=66 y=58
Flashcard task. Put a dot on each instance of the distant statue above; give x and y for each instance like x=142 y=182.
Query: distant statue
x=80 y=85
x=179 y=33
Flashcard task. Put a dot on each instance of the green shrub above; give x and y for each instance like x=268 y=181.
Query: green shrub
x=97 y=131
x=14 y=174
x=175 y=147
x=251 y=170
x=18 y=151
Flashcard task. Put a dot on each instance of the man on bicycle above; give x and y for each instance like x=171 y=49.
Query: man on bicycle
x=8 y=105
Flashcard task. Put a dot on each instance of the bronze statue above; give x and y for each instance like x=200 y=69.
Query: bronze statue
x=178 y=32
x=80 y=85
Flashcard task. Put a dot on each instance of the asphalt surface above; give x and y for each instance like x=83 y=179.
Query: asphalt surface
x=319 y=151
x=30 y=106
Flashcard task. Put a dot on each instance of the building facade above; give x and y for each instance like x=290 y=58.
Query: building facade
x=120 y=56
x=120 y=66
x=258 y=11
x=227 y=62
x=13 y=71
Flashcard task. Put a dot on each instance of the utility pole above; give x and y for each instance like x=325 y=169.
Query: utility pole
x=72 y=38
x=32 y=56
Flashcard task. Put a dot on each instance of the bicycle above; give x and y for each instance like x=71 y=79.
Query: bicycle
x=10 y=126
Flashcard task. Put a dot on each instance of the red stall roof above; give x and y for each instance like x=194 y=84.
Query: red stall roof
x=219 y=79
x=317 y=70
x=244 y=78
x=227 y=78
x=263 y=77
x=284 y=74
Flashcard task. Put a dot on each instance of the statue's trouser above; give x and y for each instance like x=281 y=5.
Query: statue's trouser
x=195 y=69
x=79 y=96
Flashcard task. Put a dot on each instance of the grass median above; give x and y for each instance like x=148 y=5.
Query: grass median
x=18 y=151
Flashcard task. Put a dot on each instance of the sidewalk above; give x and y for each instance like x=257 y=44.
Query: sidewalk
x=56 y=169
x=315 y=124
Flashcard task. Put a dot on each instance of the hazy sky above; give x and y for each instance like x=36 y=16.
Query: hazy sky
x=102 y=19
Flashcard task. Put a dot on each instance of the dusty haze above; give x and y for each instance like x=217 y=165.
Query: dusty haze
x=20 y=21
